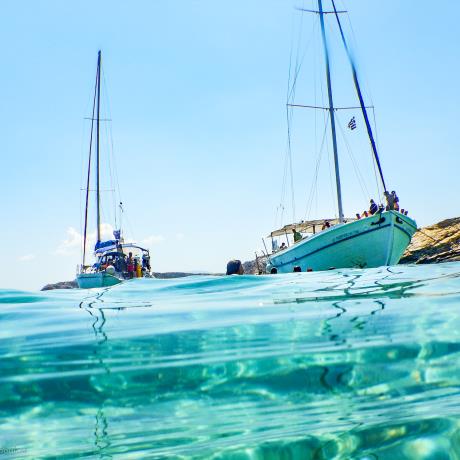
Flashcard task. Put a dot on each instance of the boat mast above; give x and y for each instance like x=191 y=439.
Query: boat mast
x=331 y=111
x=98 y=197
x=89 y=171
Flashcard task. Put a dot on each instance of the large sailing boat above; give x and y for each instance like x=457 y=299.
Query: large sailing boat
x=115 y=259
x=372 y=241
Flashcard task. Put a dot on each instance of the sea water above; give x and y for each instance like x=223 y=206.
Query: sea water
x=346 y=364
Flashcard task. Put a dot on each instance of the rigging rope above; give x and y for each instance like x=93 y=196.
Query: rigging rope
x=379 y=191
x=326 y=119
x=89 y=169
x=109 y=145
x=362 y=182
x=293 y=75
x=315 y=176
x=369 y=93
x=360 y=97
x=330 y=169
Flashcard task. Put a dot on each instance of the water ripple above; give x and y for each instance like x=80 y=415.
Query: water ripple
x=343 y=364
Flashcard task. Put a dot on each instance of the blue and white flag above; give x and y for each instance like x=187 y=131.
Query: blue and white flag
x=352 y=124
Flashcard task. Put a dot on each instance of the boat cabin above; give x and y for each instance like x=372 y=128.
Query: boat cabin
x=294 y=233
x=117 y=256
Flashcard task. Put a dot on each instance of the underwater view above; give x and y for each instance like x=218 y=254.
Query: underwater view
x=345 y=364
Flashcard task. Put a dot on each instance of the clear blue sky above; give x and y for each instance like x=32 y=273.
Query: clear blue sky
x=197 y=92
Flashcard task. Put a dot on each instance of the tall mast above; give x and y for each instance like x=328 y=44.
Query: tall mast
x=331 y=111
x=98 y=197
x=89 y=170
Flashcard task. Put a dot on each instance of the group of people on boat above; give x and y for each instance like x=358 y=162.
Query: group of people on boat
x=298 y=236
x=392 y=201
x=126 y=265
x=392 y=204
x=135 y=268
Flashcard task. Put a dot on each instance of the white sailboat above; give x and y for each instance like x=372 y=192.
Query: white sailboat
x=115 y=259
x=375 y=240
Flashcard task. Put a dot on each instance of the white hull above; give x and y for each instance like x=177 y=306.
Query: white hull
x=371 y=242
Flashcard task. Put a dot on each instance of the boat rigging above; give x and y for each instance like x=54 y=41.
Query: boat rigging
x=379 y=238
x=116 y=260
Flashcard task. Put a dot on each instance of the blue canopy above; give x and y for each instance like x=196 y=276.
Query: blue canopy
x=105 y=244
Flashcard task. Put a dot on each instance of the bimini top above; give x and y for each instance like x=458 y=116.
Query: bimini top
x=105 y=244
x=111 y=245
x=308 y=226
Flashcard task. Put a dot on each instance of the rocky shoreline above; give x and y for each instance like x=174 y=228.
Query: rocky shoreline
x=60 y=285
x=434 y=244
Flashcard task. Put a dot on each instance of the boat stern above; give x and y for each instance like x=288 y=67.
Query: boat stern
x=96 y=280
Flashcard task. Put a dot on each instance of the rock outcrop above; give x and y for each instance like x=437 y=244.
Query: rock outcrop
x=255 y=267
x=61 y=285
x=437 y=243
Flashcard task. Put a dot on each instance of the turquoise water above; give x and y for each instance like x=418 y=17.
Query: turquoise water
x=348 y=364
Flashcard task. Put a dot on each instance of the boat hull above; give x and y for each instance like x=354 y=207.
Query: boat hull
x=96 y=280
x=375 y=241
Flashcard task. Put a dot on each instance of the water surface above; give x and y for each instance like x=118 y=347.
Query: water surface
x=347 y=364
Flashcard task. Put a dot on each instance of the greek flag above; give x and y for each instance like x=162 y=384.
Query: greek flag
x=352 y=124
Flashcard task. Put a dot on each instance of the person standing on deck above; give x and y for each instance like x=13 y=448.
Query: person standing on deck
x=395 y=200
x=130 y=264
x=373 y=208
x=389 y=197
x=297 y=235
